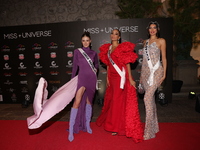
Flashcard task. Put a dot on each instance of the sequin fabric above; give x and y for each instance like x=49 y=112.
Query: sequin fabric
x=151 y=121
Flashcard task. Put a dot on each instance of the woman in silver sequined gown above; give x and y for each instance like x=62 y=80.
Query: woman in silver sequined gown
x=152 y=75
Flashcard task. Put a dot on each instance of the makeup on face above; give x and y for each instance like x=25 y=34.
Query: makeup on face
x=86 y=41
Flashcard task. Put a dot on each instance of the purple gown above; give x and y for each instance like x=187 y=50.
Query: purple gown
x=86 y=78
x=45 y=108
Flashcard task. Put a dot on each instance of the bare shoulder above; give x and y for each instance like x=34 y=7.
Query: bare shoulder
x=144 y=42
x=161 y=41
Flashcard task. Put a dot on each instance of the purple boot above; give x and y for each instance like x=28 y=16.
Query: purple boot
x=88 y=114
x=73 y=114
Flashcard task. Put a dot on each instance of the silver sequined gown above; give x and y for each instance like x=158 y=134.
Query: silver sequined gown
x=151 y=122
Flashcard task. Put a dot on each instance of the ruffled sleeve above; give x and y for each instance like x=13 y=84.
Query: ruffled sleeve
x=103 y=53
x=126 y=53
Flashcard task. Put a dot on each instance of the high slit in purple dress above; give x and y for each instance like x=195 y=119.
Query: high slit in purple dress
x=45 y=108
x=86 y=78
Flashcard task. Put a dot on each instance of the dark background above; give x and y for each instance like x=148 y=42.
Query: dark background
x=55 y=51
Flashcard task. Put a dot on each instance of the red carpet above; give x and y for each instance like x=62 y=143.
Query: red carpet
x=14 y=135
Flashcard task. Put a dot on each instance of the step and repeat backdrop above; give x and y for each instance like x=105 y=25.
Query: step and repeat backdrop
x=46 y=50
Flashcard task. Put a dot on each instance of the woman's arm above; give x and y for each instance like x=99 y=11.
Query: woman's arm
x=164 y=59
x=144 y=44
x=133 y=83
x=75 y=64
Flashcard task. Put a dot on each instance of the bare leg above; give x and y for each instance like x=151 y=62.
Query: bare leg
x=78 y=97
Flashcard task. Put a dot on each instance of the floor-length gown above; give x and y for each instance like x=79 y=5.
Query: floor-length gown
x=151 y=121
x=120 y=111
x=45 y=108
x=86 y=78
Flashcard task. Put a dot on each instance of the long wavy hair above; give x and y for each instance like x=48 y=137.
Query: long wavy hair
x=157 y=27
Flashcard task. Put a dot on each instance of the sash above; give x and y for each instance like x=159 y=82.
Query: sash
x=120 y=72
x=88 y=59
x=151 y=67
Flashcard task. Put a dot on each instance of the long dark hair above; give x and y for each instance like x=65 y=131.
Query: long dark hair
x=87 y=34
x=157 y=26
x=120 y=41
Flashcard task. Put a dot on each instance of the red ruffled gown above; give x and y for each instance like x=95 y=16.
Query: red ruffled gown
x=120 y=111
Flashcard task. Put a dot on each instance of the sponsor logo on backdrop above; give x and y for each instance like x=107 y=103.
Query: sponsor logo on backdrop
x=103 y=71
x=24 y=90
x=22 y=74
x=37 y=65
x=54 y=81
x=69 y=72
x=35 y=34
x=54 y=73
x=52 y=45
x=25 y=35
x=140 y=52
x=140 y=61
x=21 y=56
x=122 y=29
x=69 y=44
x=6 y=57
x=37 y=55
x=14 y=97
x=27 y=97
x=5 y=48
x=70 y=54
x=11 y=90
x=38 y=73
x=36 y=46
x=140 y=41
x=23 y=82
x=53 y=65
x=138 y=70
x=10 y=36
x=20 y=47
x=8 y=82
x=21 y=66
x=54 y=88
x=69 y=64
x=99 y=83
x=7 y=74
x=53 y=54
x=6 y=67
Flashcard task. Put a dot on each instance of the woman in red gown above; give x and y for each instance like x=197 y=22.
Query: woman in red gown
x=120 y=114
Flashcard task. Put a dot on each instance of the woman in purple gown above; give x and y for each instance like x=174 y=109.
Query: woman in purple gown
x=81 y=110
